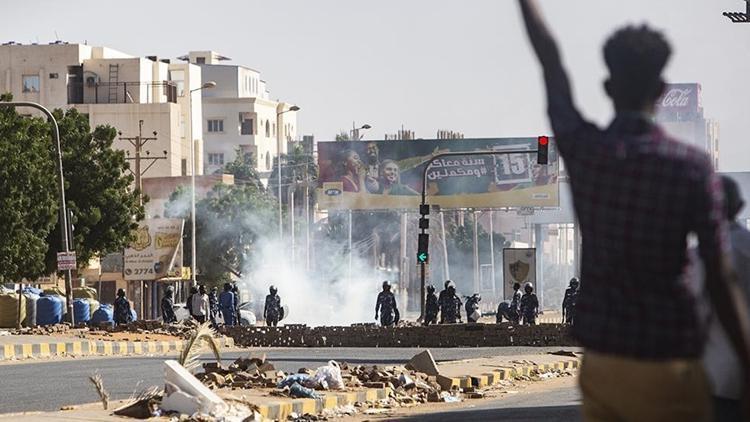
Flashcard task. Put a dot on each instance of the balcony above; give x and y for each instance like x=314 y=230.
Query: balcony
x=122 y=92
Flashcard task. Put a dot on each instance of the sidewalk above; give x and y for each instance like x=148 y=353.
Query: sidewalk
x=477 y=373
x=18 y=347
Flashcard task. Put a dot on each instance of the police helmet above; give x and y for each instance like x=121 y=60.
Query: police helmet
x=430 y=289
x=574 y=282
x=273 y=289
x=386 y=284
x=528 y=287
x=447 y=282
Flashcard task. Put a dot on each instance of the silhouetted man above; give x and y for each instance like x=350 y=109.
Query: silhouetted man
x=637 y=195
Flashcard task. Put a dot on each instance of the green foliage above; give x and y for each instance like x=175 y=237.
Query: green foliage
x=297 y=167
x=229 y=223
x=97 y=189
x=244 y=169
x=28 y=194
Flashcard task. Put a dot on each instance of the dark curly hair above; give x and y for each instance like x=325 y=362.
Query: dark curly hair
x=635 y=57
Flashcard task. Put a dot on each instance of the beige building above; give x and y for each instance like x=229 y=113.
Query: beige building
x=114 y=88
x=239 y=113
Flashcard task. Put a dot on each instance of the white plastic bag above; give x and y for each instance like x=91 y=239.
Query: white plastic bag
x=329 y=376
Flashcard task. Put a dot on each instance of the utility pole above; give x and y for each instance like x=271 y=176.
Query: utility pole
x=138 y=142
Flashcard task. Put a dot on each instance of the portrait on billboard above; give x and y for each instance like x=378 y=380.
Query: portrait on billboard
x=388 y=174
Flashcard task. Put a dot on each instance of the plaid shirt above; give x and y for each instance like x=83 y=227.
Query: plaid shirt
x=637 y=194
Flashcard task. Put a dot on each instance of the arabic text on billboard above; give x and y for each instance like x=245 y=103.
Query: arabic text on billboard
x=387 y=174
x=153 y=254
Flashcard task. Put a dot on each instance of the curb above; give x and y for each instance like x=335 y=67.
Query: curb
x=281 y=410
x=95 y=348
x=494 y=377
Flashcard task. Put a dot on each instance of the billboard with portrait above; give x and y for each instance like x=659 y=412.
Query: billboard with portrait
x=388 y=174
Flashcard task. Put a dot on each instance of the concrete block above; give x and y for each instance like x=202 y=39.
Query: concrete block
x=423 y=362
x=190 y=393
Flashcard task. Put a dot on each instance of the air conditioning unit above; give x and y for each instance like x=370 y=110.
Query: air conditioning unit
x=92 y=79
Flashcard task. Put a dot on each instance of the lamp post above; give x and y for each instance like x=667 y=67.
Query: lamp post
x=66 y=241
x=207 y=85
x=278 y=163
x=355 y=131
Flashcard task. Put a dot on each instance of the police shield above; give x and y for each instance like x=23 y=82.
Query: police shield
x=283 y=312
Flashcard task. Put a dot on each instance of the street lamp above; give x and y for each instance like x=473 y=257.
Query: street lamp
x=206 y=85
x=278 y=163
x=66 y=241
x=355 y=131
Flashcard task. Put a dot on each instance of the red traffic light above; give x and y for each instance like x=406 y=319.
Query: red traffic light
x=542 y=150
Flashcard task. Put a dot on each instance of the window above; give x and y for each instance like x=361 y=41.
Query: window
x=215 y=159
x=200 y=60
x=268 y=129
x=268 y=161
x=246 y=124
x=54 y=76
x=183 y=166
x=30 y=84
x=216 y=125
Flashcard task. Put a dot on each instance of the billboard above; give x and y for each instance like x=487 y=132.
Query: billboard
x=519 y=266
x=388 y=174
x=153 y=253
x=680 y=102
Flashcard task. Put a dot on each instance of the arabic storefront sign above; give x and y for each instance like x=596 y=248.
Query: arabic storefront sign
x=153 y=254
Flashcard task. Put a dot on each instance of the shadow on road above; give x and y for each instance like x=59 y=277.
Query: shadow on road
x=516 y=414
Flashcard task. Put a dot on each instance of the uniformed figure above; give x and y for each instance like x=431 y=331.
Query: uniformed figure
x=450 y=304
x=167 y=306
x=443 y=301
x=529 y=305
x=122 y=314
x=189 y=301
x=569 y=302
x=272 y=310
x=472 y=305
x=227 y=305
x=213 y=305
x=431 y=306
x=386 y=306
x=515 y=304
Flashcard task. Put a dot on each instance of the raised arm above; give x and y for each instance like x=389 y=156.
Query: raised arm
x=562 y=112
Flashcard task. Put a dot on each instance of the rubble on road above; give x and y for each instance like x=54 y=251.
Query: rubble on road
x=42 y=330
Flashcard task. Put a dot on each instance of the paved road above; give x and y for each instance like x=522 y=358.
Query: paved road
x=559 y=404
x=50 y=385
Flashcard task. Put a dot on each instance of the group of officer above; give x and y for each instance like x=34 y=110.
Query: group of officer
x=524 y=308
x=447 y=305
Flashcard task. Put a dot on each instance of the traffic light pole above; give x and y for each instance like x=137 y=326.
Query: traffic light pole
x=423 y=204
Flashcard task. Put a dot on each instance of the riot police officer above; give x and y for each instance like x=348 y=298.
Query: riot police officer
x=386 y=306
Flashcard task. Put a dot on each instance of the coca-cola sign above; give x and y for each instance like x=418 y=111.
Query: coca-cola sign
x=680 y=98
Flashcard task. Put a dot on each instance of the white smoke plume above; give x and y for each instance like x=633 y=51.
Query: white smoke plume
x=338 y=300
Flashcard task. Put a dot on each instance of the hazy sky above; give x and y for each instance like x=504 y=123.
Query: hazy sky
x=424 y=64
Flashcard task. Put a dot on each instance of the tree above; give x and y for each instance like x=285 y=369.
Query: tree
x=243 y=168
x=28 y=194
x=343 y=136
x=298 y=167
x=105 y=209
x=230 y=222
